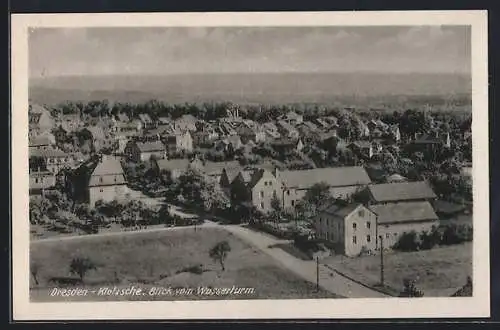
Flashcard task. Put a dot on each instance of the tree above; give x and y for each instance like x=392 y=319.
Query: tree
x=81 y=266
x=219 y=252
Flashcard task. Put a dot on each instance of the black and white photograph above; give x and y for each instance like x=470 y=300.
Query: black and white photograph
x=241 y=161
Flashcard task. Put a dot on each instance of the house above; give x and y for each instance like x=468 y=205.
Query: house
x=107 y=181
x=53 y=159
x=247 y=133
x=362 y=148
x=229 y=144
x=399 y=192
x=271 y=130
x=186 y=123
x=343 y=182
x=39 y=120
x=108 y=125
x=145 y=151
x=355 y=228
x=395 y=219
x=146 y=121
x=41 y=142
x=429 y=142
x=307 y=128
x=287 y=145
x=122 y=117
x=395 y=133
x=292 y=118
x=322 y=123
x=41 y=181
x=287 y=130
x=205 y=137
x=71 y=122
x=215 y=170
x=101 y=139
x=255 y=187
x=128 y=129
x=331 y=120
x=351 y=228
x=182 y=141
x=176 y=167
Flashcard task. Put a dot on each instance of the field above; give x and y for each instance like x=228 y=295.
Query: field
x=439 y=272
x=160 y=259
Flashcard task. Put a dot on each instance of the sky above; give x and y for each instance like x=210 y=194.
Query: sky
x=188 y=50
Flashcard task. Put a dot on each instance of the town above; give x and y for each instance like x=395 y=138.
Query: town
x=332 y=183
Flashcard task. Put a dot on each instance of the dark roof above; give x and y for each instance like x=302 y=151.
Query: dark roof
x=333 y=176
x=286 y=126
x=341 y=211
x=173 y=164
x=150 y=146
x=404 y=212
x=401 y=191
x=215 y=168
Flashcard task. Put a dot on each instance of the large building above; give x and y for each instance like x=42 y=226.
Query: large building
x=107 y=181
x=54 y=160
x=355 y=228
x=179 y=142
x=343 y=182
x=399 y=192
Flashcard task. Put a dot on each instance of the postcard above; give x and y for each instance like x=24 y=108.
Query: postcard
x=311 y=165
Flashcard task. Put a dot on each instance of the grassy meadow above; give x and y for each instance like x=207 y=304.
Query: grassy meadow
x=161 y=259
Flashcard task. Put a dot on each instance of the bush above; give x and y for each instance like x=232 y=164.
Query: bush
x=428 y=240
x=408 y=242
x=456 y=234
x=410 y=289
x=197 y=269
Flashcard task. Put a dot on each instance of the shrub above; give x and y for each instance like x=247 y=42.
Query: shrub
x=197 y=269
x=410 y=289
x=408 y=242
x=428 y=240
x=456 y=234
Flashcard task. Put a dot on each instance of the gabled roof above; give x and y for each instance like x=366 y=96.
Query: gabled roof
x=310 y=125
x=150 y=146
x=286 y=126
x=403 y=212
x=215 y=168
x=123 y=117
x=341 y=211
x=401 y=191
x=291 y=115
x=145 y=118
x=173 y=164
x=108 y=172
x=333 y=176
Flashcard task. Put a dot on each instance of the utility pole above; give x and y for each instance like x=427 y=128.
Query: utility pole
x=381 y=260
x=317 y=274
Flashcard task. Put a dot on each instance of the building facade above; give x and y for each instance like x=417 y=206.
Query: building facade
x=107 y=181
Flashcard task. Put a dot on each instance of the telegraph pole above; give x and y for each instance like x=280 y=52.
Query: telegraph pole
x=381 y=260
x=317 y=274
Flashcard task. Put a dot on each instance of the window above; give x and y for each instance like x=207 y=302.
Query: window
x=368 y=224
x=36 y=180
x=265 y=183
x=395 y=234
x=368 y=238
x=270 y=183
x=101 y=190
x=262 y=194
x=354 y=225
x=115 y=179
x=354 y=240
x=361 y=213
x=288 y=192
x=293 y=203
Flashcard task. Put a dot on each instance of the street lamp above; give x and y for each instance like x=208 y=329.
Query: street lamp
x=381 y=260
